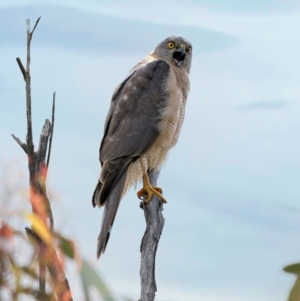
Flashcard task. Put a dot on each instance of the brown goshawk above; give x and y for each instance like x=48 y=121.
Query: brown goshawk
x=143 y=124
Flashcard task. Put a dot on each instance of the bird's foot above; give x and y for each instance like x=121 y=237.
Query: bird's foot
x=150 y=190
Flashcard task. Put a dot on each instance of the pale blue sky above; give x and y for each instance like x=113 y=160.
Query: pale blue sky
x=231 y=182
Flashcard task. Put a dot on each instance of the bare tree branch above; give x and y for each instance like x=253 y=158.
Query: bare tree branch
x=21 y=67
x=40 y=158
x=29 y=138
x=36 y=23
x=22 y=144
x=33 y=166
x=155 y=223
x=42 y=150
x=51 y=137
x=37 y=175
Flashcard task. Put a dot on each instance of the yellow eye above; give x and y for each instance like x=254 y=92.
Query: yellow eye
x=189 y=50
x=171 y=45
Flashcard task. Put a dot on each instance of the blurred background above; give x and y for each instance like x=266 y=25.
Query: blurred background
x=232 y=181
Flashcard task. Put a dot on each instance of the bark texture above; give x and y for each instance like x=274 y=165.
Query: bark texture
x=155 y=223
x=38 y=167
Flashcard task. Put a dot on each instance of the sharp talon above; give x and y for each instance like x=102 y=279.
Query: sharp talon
x=149 y=190
x=140 y=194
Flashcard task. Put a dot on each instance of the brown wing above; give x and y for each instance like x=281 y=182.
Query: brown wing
x=132 y=126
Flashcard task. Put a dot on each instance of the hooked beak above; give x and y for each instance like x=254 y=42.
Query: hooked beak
x=179 y=55
x=182 y=49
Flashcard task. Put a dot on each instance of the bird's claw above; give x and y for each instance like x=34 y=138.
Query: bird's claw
x=150 y=191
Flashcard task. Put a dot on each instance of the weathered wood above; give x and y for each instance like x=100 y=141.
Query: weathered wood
x=40 y=158
x=21 y=67
x=29 y=138
x=34 y=27
x=22 y=144
x=52 y=121
x=155 y=223
x=37 y=178
x=40 y=188
x=44 y=137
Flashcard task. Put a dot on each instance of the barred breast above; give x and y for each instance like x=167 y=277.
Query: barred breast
x=177 y=88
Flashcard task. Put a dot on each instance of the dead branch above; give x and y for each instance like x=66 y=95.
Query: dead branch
x=51 y=137
x=29 y=138
x=21 y=67
x=155 y=223
x=37 y=174
x=22 y=144
x=36 y=23
x=40 y=158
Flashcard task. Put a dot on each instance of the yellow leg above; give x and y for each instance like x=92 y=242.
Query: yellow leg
x=149 y=190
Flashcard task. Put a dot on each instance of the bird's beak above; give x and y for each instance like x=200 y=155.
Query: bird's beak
x=179 y=55
x=182 y=49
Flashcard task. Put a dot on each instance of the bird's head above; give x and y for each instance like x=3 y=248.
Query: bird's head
x=175 y=50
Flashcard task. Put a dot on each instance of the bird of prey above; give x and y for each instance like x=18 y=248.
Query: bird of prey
x=143 y=123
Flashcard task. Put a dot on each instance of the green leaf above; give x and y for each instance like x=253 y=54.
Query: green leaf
x=295 y=291
x=67 y=246
x=90 y=277
x=293 y=268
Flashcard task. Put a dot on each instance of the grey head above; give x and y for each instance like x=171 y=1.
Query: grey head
x=177 y=51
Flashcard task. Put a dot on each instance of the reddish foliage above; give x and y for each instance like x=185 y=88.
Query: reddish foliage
x=6 y=232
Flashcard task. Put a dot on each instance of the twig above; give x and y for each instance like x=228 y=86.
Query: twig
x=50 y=142
x=155 y=223
x=22 y=144
x=29 y=138
x=36 y=23
x=21 y=67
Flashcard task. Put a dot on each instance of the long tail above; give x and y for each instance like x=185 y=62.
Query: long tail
x=108 y=193
x=110 y=210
